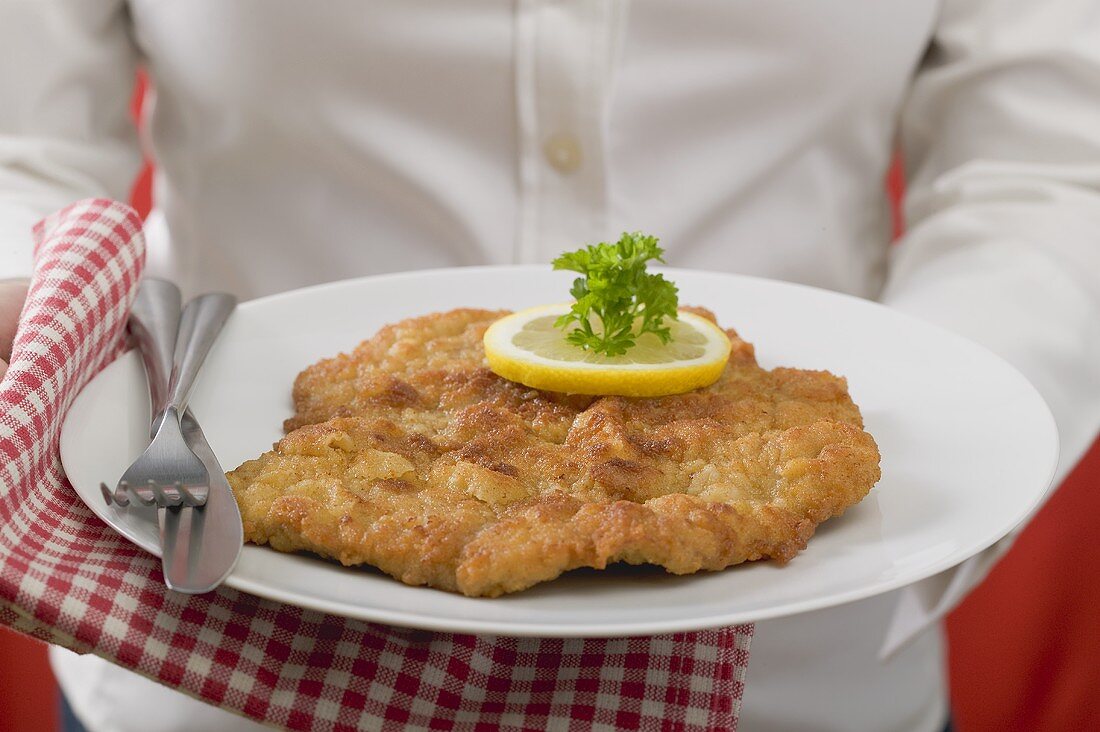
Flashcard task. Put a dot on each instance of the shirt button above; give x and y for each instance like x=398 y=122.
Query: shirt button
x=563 y=152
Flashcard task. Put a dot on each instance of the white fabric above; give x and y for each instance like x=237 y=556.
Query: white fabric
x=304 y=142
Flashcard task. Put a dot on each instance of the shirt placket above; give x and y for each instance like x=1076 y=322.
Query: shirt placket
x=565 y=57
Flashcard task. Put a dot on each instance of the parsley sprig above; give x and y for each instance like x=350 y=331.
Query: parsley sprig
x=619 y=292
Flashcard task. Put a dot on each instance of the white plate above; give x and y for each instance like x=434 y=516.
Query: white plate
x=968 y=449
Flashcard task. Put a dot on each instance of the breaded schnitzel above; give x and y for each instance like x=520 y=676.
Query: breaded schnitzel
x=410 y=455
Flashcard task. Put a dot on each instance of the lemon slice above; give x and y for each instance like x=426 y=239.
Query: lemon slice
x=526 y=347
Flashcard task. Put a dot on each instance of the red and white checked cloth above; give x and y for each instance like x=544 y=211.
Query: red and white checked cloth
x=68 y=579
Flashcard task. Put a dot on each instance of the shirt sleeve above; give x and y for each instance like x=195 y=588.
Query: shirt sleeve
x=65 y=132
x=1001 y=140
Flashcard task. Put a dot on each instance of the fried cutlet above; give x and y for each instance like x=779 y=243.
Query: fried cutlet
x=410 y=455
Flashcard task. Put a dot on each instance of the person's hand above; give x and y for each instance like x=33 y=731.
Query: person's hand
x=12 y=295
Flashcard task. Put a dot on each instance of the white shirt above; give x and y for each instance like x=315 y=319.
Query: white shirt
x=304 y=142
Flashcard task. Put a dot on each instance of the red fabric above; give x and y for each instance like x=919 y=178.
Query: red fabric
x=895 y=190
x=67 y=578
x=1023 y=645
x=28 y=697
x=141 y=195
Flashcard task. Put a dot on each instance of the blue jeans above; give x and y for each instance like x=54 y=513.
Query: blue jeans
x=69 y=722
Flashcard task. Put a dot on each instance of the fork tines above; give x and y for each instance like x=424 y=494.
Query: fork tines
x=152 y=494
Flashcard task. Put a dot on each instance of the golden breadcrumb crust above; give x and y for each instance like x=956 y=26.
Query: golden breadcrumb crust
x=410 y=455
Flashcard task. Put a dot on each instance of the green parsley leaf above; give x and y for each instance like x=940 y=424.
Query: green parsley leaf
x=617 y=300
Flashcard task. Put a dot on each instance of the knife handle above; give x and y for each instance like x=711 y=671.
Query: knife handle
x=200 y=324
x=154 y=322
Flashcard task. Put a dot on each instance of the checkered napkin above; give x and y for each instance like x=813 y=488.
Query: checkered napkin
x=68 y=579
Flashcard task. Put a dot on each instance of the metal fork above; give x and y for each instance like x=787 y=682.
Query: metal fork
x=169 y=473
